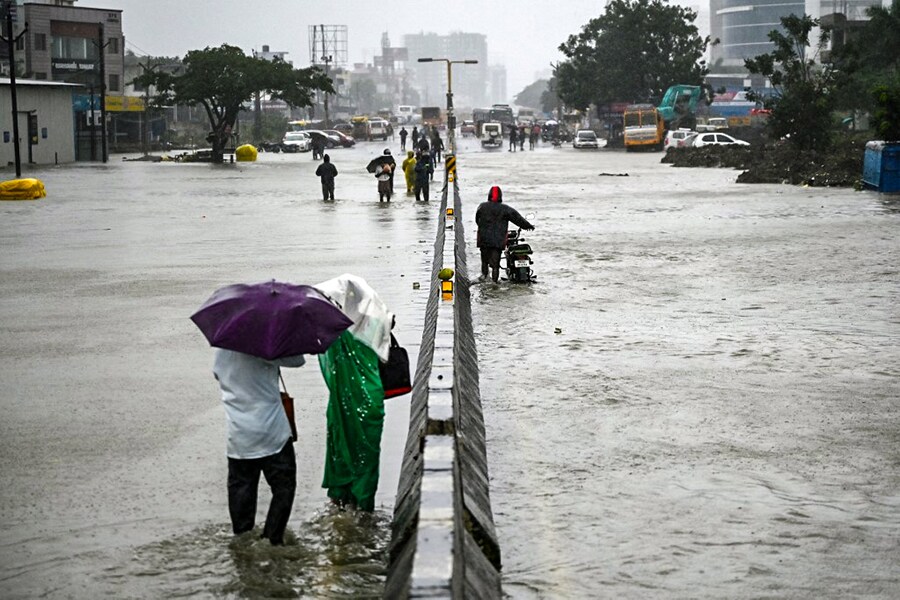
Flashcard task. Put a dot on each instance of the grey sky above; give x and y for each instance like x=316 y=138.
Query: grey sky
x=521 y=34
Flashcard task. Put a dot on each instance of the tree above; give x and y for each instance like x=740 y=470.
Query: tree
x=632 y=53
x=222 y=80
x=531 y=95
x=364 y=91
x=870 y=60
x=804 y=90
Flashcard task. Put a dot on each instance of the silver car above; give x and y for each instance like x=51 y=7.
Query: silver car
x=296 y=141
x=585 y=138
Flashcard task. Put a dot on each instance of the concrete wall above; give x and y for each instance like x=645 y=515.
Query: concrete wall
x=53 y=106
x=443 y=540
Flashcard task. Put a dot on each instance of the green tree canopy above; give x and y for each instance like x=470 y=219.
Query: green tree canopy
x=632 y=53
x=804 y=96
x=870 y=61
x=223 y=79
x=531 y=95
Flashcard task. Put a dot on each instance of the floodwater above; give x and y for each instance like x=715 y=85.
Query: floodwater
x=696 y=400
x=113 y=435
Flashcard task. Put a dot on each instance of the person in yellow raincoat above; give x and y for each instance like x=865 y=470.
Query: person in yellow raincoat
x=409 y=170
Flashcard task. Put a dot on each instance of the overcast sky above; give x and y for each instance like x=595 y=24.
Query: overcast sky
x=521 y=34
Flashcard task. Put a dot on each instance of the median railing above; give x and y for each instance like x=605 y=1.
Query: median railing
x=443 y=540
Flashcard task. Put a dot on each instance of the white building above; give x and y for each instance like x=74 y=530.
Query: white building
x=46 y=122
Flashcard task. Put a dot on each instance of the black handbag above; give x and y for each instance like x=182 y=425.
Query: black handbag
x=395 y=372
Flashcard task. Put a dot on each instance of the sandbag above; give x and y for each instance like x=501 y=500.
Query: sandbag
x=22 y=189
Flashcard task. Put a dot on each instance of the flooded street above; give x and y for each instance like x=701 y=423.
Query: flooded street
x=697 y=399
x=113 y=434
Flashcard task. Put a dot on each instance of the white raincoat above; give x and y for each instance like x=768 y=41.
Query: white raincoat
x=371 y=318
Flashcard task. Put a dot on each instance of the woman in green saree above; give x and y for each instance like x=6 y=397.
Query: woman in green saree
x=355 y=413
x=355 y=417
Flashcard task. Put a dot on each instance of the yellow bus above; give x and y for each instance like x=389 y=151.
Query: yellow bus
x=643 y=127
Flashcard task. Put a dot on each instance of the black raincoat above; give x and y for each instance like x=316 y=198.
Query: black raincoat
x=493 y=218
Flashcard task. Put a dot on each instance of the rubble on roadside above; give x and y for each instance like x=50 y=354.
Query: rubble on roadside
x=840 y=166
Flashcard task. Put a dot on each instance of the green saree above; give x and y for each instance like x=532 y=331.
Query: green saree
x=355 y=419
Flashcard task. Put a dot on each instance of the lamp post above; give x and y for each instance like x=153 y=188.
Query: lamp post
x=451 y=119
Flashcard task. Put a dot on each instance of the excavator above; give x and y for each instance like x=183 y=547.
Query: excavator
x=679 y=105
x=645 y=125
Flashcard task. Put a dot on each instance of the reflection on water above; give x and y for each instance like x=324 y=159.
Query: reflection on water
x=337 y=554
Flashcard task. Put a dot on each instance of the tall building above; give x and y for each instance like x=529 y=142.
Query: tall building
x=743 y=26
x=470 y=82
x=497 y=85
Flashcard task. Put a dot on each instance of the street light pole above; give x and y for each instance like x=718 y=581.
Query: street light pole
x=451 y=118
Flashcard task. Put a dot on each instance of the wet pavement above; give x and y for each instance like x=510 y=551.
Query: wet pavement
x=697 y=398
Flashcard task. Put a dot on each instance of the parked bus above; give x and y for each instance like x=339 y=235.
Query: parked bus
x=498 y=113
x=643 y=127
x=406 y=114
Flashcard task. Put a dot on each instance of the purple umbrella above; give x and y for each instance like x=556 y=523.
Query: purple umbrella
x=271 y=320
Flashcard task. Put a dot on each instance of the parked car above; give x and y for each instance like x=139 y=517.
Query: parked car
x=467 y=129
x=679 y=138
x=585 y=138
x=345 y=140
x=296 y=141
x=328 y=140
x=713 y=124
x=717 y=139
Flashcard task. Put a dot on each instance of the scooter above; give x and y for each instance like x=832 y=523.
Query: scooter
x=517 y=257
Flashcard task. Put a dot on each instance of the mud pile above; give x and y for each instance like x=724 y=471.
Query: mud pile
x=840 y=166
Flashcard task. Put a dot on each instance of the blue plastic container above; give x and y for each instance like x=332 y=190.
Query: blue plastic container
x=881 y=167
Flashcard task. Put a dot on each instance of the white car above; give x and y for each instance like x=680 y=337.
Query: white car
x=378 y=129
x=717 y=139
x=585 y=138
x=679 y=138
x=296 y=141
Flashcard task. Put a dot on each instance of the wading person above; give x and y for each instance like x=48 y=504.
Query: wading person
x=327 y=172
x=512 y=138
x=493 y=218
x=383 y=174
x=355 y=413
x=409 y=171
x=259 y=439
x=424 y=171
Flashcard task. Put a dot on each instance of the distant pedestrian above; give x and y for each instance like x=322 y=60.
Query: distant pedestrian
x=403 y=134
x=318 y=147
x=423 y=145
x=522 y=137
x=424 y=170
x=409 y=171
x=415 y=137
x=327 y=172
x=513 y=137
x=393 y=163
x=384 y=174
x=437 y=147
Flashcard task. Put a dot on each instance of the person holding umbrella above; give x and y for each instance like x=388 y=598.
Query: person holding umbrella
x=257 y=329
x=375 y=166
x=355 y=411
